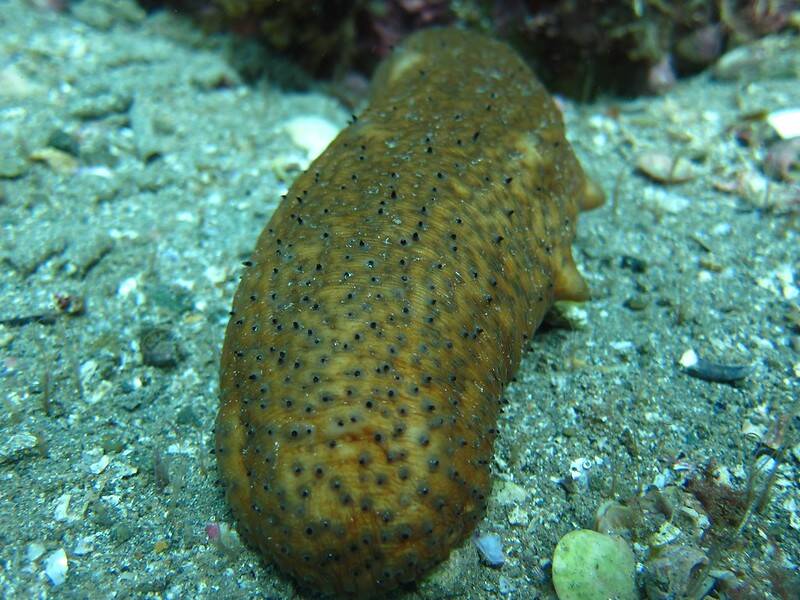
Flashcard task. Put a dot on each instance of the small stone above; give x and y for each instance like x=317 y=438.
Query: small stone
x=701 y=46
x=6 y=337
x=637 y=265
x=101 y=105
x=159 y=348
x=490 y=549
x=504 y=586
x=637 y=303
x=670 y=571
x=100 y=464
x=785 y=122
x=160 y=546
x=94 y=14
x=771 y=57
x=61 y=512
x=588 y=565
x=567 y=315
x=34 y=551
x=783 y=159
x=58 y=160
x=61 y=140
x=84 y=546
x=518 y=516
x=511 y=494
x=12 y=163
x=14 y=84
x=660 y=201
x=55 y=567
x=126 y=10
x=121 y=533
x=661 y=76
x=613 y=518
x=666 y=169
x=187 y=416
x=17 y=446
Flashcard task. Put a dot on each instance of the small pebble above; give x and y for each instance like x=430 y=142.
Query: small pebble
x=637 y=265
x=490 y=549
x=101 y=105
x=34 y=551
x=671 y=572
x=701 y=46
x=159 y=348
x=568 y=315
x=663 y=168
x=187 y=416
x=661 y=76
x=660 y=201
x=613 y=518
x=55 y=567
x=504 y=586
x=61 y=140
x=706 y=370
x=84 y=546
x=59 y=161
x=121 y=533
x=99 y=465
x=637 y=303
x=62 y=508
x=12 y=163
x=17 y=446
x=786 y=122
x=15 y=84
x=782 y=159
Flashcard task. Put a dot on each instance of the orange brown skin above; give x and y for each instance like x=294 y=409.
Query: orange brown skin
x=385 y=308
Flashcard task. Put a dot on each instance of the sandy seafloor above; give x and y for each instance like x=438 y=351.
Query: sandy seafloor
x=137 y=169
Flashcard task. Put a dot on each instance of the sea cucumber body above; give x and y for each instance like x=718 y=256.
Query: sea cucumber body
x=385 y=307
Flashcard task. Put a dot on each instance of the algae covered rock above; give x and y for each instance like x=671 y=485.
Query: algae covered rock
x=588 y=565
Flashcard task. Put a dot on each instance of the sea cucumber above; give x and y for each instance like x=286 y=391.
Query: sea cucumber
x=385 y=308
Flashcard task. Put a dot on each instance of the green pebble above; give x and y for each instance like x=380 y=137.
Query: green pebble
x=588 y=565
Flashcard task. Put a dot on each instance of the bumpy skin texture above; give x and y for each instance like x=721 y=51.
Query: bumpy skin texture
x=385 y=308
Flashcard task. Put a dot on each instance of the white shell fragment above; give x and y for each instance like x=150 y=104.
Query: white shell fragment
x=688 y=359
x=311 y=133
x=666 y=169
x=55 y=567
x=100 y=465
x=785 y=122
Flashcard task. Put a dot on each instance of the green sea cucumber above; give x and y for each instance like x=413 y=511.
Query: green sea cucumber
x=386 y=306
